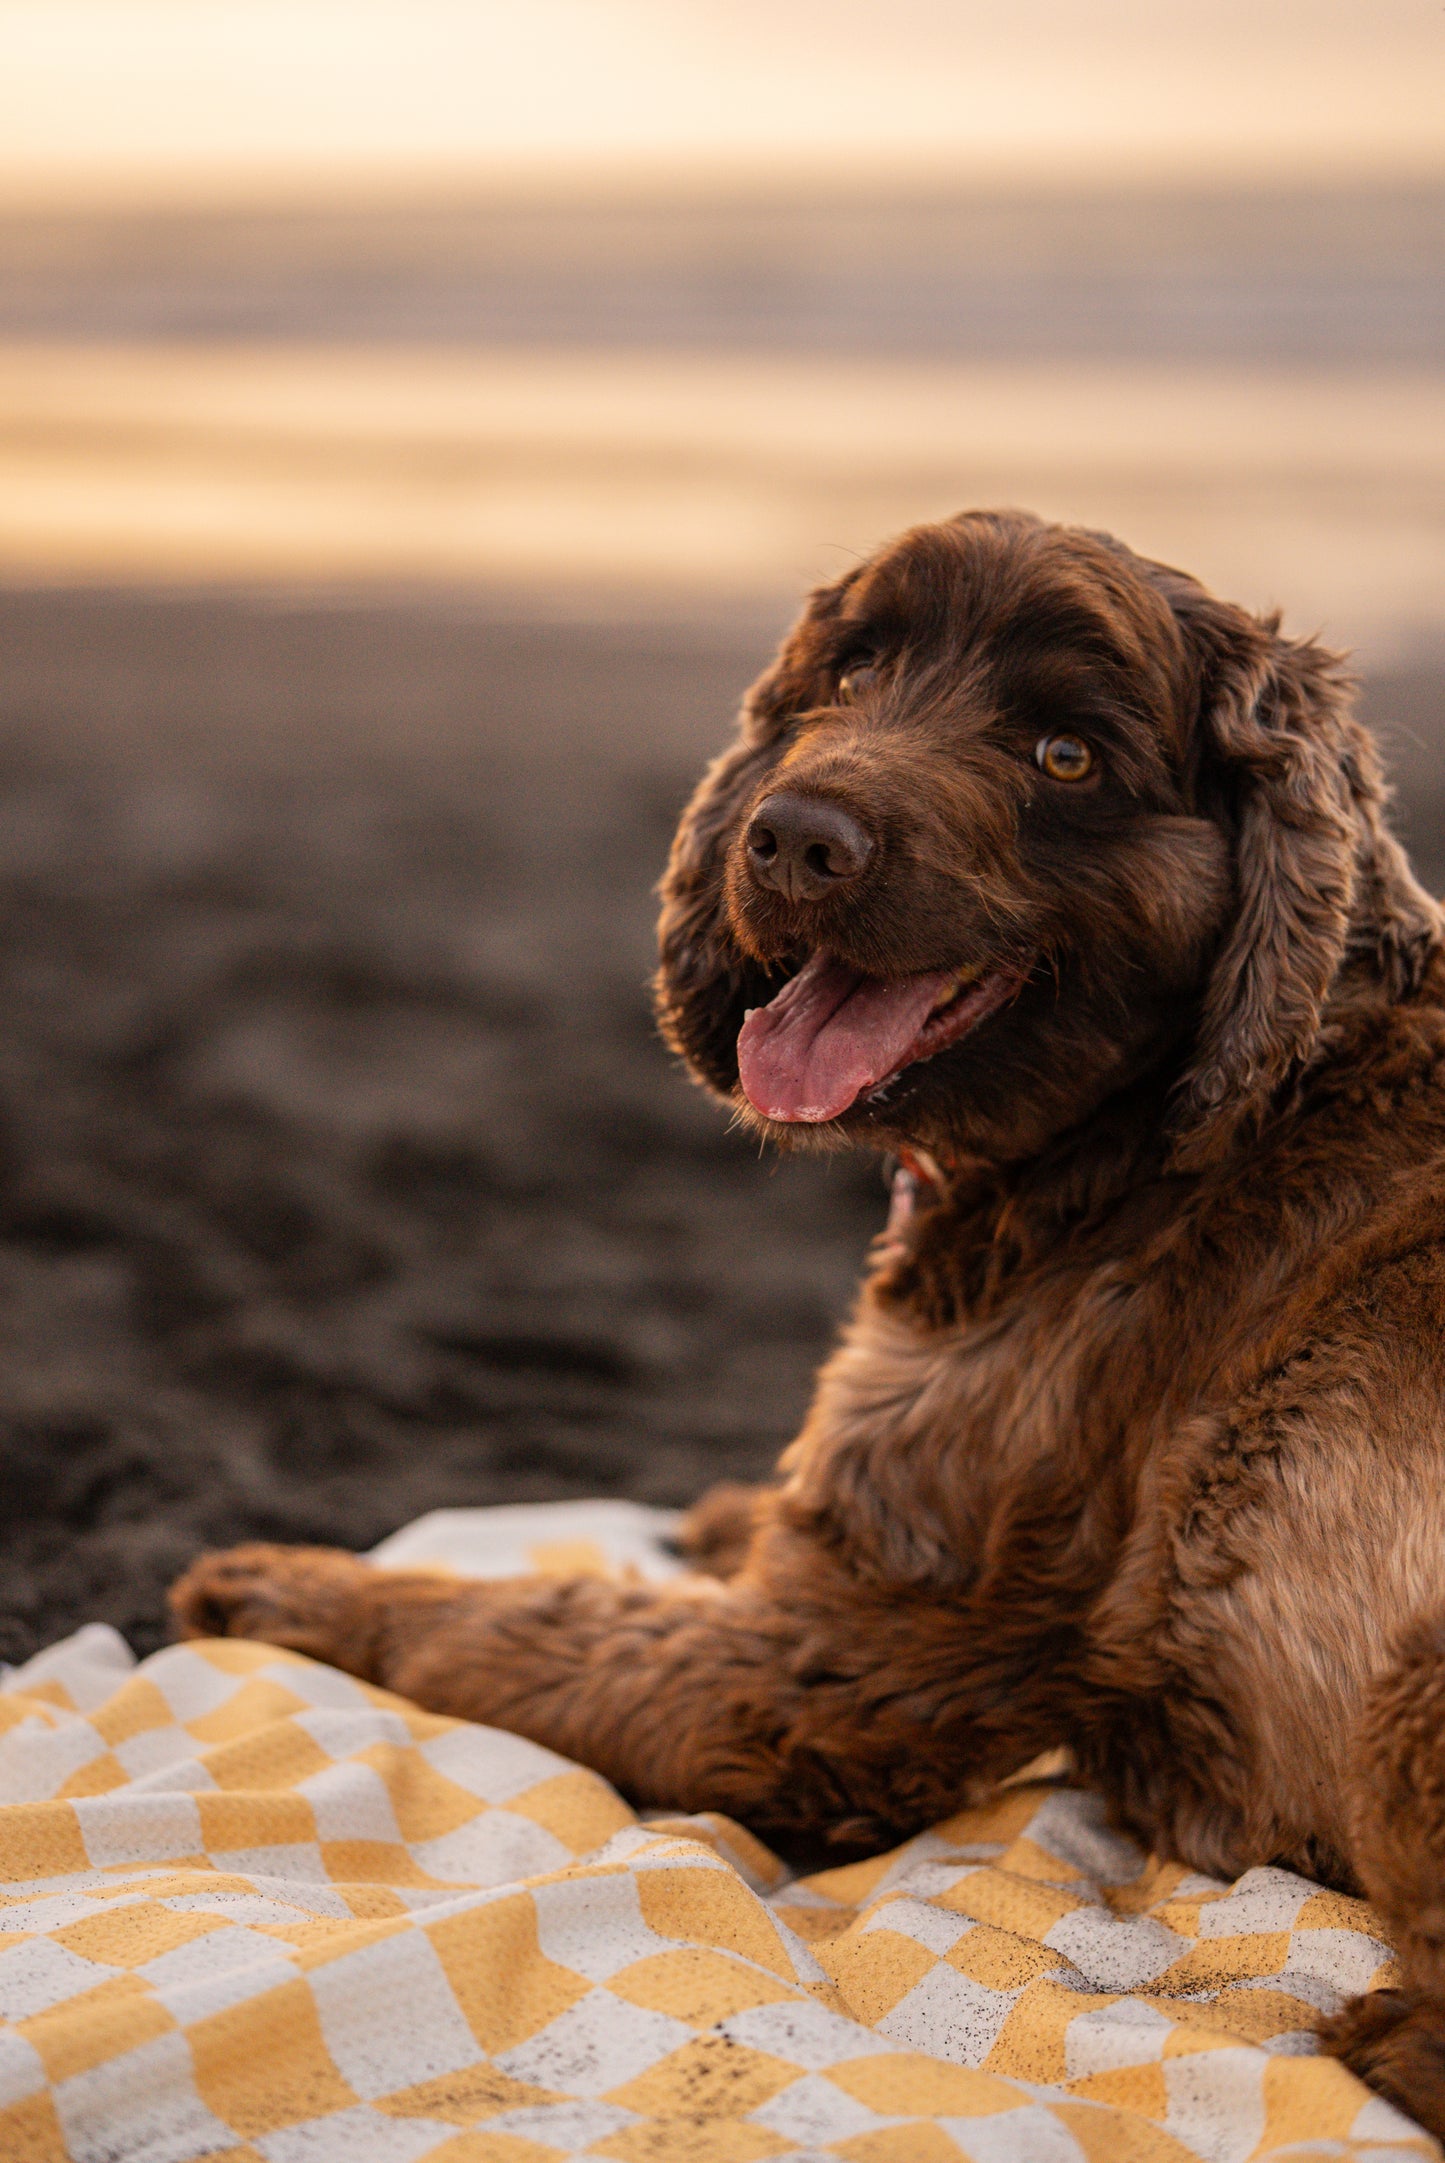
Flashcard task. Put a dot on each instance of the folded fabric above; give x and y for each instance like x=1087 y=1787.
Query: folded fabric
x=250 y=1907
x=559 y=1539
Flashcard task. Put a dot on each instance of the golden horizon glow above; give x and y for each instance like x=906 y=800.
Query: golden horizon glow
x=708 y=478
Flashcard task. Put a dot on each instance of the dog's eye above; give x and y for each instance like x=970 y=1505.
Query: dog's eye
x=857 y=676
x=1064 y=758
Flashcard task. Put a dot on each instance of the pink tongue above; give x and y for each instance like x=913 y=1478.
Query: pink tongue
x=830 y=1034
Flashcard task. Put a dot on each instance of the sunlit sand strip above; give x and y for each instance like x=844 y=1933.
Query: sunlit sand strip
x=707 y=476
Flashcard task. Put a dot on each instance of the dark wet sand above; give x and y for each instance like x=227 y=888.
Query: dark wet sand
x=341 y=1175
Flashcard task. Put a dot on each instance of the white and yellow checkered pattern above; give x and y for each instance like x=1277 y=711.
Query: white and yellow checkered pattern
x=250 y=1908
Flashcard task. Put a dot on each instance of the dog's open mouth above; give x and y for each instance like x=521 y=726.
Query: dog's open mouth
x=833 y=1035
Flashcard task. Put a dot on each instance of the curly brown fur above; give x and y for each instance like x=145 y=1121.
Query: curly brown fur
x=1135 y=1441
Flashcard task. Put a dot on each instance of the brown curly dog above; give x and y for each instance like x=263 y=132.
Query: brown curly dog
x=1068 y=884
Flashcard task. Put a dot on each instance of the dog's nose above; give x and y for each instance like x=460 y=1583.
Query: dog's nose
x=805 y=847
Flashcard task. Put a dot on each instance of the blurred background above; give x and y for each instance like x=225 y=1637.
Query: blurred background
x=417 y=424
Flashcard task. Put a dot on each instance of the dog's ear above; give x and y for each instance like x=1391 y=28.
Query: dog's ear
x=797 y=677
x=1318 y=876
x=697 y=989
x=792 y=681
x=697 y=985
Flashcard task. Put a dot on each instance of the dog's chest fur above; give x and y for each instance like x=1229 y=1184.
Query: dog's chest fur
x=1192 y=1490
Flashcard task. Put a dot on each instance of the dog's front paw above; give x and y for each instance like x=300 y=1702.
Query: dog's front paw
x=313 y=1599
x=1395 y=2041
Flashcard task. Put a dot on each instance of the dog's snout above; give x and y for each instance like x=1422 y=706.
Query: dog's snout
x=804 y=847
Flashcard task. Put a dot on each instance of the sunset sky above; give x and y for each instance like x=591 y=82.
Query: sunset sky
x=159 y=95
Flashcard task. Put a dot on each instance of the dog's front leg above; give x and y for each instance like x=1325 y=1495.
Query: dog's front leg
x=789 y=1698
x=1395 y=2038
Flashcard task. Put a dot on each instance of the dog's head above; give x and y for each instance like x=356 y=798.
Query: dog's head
x=1015 y=817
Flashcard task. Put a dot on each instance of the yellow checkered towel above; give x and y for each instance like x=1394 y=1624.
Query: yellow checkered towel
x=254 y=1909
